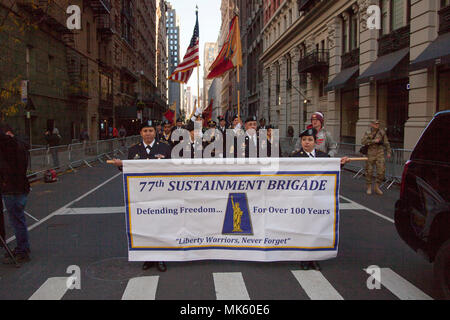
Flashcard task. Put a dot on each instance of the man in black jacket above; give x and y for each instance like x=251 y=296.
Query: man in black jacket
x=15 y=187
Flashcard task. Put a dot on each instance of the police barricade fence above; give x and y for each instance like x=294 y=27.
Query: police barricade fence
x=76 y=154
x=394 y=164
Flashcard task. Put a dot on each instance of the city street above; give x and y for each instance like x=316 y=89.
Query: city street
x=79 y=222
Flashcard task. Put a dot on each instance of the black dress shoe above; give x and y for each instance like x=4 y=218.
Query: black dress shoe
x=315 y=265
x=147 y=265
x=161 y=266
x=304 y=265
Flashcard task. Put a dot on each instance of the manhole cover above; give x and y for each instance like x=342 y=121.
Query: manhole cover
x=114 y=269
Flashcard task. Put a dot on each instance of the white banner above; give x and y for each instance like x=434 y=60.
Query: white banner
x=181 y=210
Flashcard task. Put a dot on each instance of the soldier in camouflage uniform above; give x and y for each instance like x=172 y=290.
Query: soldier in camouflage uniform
x=377 y=141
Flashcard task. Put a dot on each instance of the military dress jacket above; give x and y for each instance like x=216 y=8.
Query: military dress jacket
x=138 y=151
x=302 y=154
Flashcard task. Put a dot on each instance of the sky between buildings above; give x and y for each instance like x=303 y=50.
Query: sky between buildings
x=209 y=20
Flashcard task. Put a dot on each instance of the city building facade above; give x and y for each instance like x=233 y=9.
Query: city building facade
x=322 y=56
x=96 y=77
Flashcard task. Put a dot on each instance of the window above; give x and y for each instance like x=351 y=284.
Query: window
x=445 y=3
x=353 y=32
x=395 y=14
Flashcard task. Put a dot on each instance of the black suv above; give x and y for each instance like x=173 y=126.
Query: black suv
x=422 y=214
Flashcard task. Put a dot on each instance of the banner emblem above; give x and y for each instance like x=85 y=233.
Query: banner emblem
x=237 y=217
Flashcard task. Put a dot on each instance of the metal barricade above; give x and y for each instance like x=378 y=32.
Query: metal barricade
x=394 y=164
x=77 y=154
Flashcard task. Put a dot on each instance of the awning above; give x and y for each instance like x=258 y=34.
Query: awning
x=383 y=67
x=341 y=79
x=435 y=54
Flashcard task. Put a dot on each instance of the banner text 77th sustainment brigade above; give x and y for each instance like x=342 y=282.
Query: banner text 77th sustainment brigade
x=232 y=211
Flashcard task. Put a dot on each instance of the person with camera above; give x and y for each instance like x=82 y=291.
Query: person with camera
x=15 y=188
x=375 y=141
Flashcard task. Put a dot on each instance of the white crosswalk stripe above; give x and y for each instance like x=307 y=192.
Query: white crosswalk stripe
x=400 y=287
x=142 y=288
x=230 y=286
x=52 y=289
x=316 y=285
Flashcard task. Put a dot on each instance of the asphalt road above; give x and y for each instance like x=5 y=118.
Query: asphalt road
x=95 y=242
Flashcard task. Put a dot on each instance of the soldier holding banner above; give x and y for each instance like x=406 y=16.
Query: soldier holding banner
x=308 y=140
x=148 y=148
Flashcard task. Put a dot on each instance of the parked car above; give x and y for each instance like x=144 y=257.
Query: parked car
x=422 y=214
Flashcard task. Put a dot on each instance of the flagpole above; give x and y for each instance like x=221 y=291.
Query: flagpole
x=239 y=94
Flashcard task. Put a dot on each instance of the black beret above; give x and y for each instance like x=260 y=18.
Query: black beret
x=309 y=133
x=148 y=124
x=179 y=120
x=220 y=118
x=165 y=122
x=250 y=118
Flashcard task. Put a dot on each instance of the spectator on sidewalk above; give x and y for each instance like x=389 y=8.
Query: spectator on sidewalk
x=115 y=133
x=15 y=189
x=53 y=139
x=84 y=136
x=122 y=134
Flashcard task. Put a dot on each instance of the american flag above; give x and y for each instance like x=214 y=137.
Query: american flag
x=190 y=61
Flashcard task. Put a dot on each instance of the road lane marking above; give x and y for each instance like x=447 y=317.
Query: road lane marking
x=52 y=289
x=350 y=206
x=93 y=210
x=368 y=209
x=230 y=286
x=316 y=285
x=142 y=288
x=31 y=216
x=62 y=209
x=400 y=287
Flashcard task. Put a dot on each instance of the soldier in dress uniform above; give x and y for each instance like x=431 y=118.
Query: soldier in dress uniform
x=192 y=145
x=251 y=138
x=158 y=128
x=166 y=136
x=222 y=127
x=211 y=136
x=148 y=148
x=262 y=124
x=308 y=140
x=179 y=126
x=270 y=141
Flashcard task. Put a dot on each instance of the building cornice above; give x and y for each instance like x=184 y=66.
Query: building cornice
x=295 y=29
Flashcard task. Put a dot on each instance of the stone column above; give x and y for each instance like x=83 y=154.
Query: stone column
x=335 y=46
x=422 y=95
x=296 y=98
x=272 y=103
x=368 y=54
x=310 y=90
x=282 y=125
